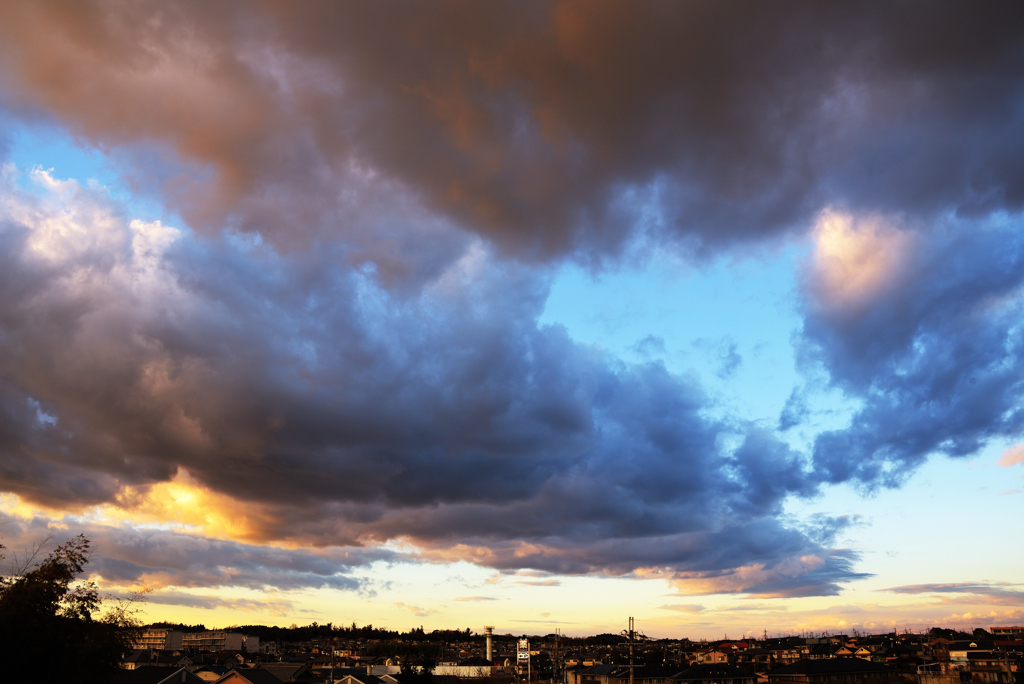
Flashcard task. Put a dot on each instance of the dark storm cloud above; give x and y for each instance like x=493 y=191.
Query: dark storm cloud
x=935 y=356
x=334 y=413
x=548 y=127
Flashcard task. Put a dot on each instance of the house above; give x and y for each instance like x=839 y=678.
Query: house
x=226 y=659
x=715 y=674
x=714 y=657
x=834 y=671
x=619 y=674
x=695 y=655
x=210 y=673
x=359 y=679
x=146 y=658
x=148 y=674
x=989 y=668
x=759 y=659
x=788 y=656
x=290 y=672
x=816 y=652
x=338 y=673
x=248 y=676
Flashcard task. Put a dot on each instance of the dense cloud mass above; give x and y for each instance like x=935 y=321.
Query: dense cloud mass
x=549 y=127
x=935 y=351
x=348 y=416
x=343 y=338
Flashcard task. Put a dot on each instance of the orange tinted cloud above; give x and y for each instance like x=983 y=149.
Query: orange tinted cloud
x=855 y=258
x=523 y=122
x=1012 y=455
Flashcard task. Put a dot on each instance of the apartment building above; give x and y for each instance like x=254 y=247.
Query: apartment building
x=221 y=641
x=157 y=639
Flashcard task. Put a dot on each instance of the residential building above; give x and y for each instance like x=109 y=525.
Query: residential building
x=714 y=657
x=989 y=668
x=619 y=674
x=715 y=674
x=213 y=641
x=221 y=641
x=834 y=671
x=159 y=639
x=1008 y=631
x=757 y=659
x=140 y=658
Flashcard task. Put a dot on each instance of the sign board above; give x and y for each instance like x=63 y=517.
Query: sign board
x=524 y=649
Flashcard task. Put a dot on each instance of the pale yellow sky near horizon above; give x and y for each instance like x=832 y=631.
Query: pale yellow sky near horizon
x=923 y=548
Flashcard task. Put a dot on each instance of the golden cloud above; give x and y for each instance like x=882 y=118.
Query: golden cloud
x=1012 y=455
x=855 y=258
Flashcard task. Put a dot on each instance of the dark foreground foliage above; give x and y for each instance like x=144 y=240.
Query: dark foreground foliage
x=49 y=626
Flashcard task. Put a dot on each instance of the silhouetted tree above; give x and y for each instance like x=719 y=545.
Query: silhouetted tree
x=418 y=667
x=47 y=622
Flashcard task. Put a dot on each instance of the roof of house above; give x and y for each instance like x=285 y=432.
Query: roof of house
x=357 y=672
x=600 y=669
x=363 y=678
x=147 y=674
x=976 y=644
x=251 y=675
x=137 y=655
x=218 y=670
x=823 y=649
x=829 y=666
x=719 y=671
x=289 y=672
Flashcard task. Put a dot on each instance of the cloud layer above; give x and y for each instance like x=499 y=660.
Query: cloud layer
x=340 y=348
x=163 y=561
x=548 y=128
x=324 y=410
x=933 y=350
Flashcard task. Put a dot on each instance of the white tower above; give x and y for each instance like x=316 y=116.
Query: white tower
x=489 y=631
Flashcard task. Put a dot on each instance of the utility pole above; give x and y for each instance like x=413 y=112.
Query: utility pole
x=630 y=636
x=554 y=662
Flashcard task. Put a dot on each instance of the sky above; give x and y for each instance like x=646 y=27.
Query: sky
x=533 y=315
